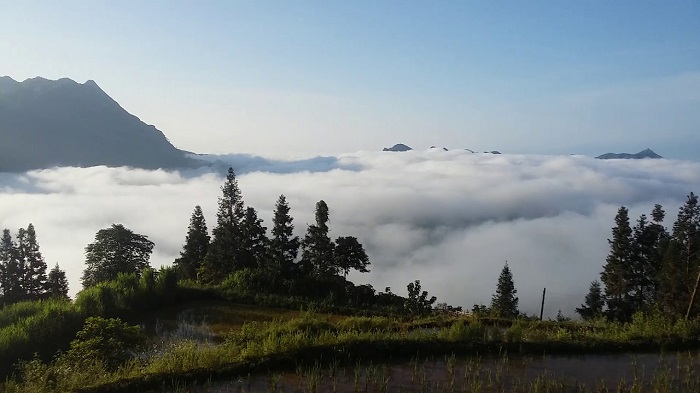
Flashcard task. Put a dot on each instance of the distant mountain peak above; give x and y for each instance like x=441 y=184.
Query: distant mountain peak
x=646 y=153
x=61 y=122
x=398 y=147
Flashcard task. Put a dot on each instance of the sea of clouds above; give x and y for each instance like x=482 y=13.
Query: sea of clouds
x=450 y=219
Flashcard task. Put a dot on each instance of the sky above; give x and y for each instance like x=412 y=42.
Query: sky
x=308 y=78
x=450 y=219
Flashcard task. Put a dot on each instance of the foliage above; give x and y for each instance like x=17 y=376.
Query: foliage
x=504 y=303
x=349 y=254
x=57 y=283
x=284 y=246
x=115 y=250
x=418 y=302
x=195 y=248
x=317 y=246
x=111 y=341
x=592 y=308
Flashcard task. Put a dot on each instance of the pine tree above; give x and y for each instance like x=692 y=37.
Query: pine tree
x=504 y=303
x=115 y=250
x=592 y=307
x=682 y=260
x=318 y=247
x=617 y=272
x=349 y=254
x=34 y=266
x=284 y=247
x=13 y=270
x=225 y=249
x=57 y=284
x=195 y=248
x=254 y=239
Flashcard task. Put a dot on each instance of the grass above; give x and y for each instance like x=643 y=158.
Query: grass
x=282 y=344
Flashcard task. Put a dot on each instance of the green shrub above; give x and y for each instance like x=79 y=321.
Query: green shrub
x=111 y=341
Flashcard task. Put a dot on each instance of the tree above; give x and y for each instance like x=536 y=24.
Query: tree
x=349 y=254
x=34 y=266
x=592 y=307
x=504 y=303
x=681 y=262
x=617 y=273
x=318 y=247
x=418 y=302
x=57 y=283
x=196 y=245
x=115 y=250
x=225 y=249
x=254 y=240
x=284 y=247
x=12 y=270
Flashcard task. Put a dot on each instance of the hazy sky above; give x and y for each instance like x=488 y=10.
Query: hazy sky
x=324 y=77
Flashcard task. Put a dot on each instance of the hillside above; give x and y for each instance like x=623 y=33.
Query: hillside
x=48 y=123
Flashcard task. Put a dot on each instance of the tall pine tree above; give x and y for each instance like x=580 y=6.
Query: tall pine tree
x=318 y=247
x=195 y=248
x=13 y=269
x=504 y=303
x=224 y=254
x=284 y=246
x=617 y=272
x=254 y=239
x=34 y=266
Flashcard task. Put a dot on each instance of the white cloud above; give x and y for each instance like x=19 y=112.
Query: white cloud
x=450 y=219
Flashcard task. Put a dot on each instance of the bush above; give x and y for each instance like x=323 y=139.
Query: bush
x=108 y=340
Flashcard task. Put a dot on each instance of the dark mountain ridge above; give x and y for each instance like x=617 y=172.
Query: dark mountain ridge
x=646 y=153
x=46 y=123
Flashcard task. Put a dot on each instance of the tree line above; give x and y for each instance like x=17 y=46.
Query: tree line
x=23 y=270
x=649 y=268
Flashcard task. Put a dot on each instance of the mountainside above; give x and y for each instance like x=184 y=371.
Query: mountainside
x=49 y=123
x=398 y=147
x=646 y=153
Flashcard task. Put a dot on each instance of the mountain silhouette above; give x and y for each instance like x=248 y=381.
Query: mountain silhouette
x=47 y=123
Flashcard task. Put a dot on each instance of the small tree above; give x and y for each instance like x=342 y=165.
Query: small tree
x=349 y=254
x=196 y=245
x=254 y=240
x=592 y=307
x=109 y=340
x=504 y=303
x=418 y=302
x=12 y=270
x=57 y=283
x=34 y=266
x=115 y=250
x=618 y=270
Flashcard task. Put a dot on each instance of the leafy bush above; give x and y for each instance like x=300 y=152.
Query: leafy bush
x=108 y=340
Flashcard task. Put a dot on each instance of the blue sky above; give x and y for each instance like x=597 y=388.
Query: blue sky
x=326 y=77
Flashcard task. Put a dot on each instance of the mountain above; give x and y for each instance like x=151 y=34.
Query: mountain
x=646 y=153
x=398 y=147
x=48 y=123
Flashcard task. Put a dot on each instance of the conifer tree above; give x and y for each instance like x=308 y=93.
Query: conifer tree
x=592 y=307
x=254 y=239
x=13 y=270
x=57 y=284
x=115 y=250
x=223 y=256
x=195 y=248
x=504 y=303
x=318 y=247
x=34 y=266
x=616 y=275
x=284 y=246
x=682 y=260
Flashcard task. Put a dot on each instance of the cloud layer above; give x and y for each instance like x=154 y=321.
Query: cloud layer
x=450 y=219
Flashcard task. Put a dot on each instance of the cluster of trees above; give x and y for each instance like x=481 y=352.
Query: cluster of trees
x=23 y=271
x=240 y=242
x=648 y=267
